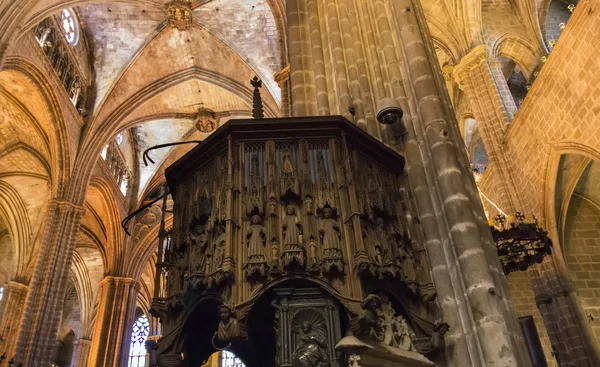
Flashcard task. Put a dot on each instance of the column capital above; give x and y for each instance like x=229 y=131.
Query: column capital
x=282 y=76
x=67 y=206
x=474 y=58
x=120 y=281
x=16 y=286
x=83 y=341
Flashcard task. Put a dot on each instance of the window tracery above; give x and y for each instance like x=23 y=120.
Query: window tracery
x=137 y=348
x=112 y=155
x=55 y=36
x=70 y=26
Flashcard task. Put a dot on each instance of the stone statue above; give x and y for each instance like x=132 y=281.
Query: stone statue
x=369 y=323
x=436 y=342
x=229 y=327
x=292 y=229
x=199 y=242
x=381 y=241
x=329 y=232
x=219 y=248
x=256 y=240
x=407 y=261
x=311 y=347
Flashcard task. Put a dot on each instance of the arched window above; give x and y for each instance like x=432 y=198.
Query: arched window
x=104 y=151
x=1 y=293
x=124 y=185
x=119 y=138
x=137 y=348
x=229 y=359
x=70 y=26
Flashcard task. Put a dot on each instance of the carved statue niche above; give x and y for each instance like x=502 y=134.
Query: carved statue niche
x=292 y=229
x=255 y=199
x=407 y=262
x=175 y=275
x=329 y=232
x=218 y=248
x=381 y=239
x=310 y=331
x=325 y=193
x=255 y=240
x=198 y=240
x=293 y=252
x=230 y=329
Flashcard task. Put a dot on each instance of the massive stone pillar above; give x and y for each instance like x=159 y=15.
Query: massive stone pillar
x=42 y=312
x=11 y=310
x=475 y=74
x=114 y=320
x=81 y=353
x=497 y=338
x=564 y=318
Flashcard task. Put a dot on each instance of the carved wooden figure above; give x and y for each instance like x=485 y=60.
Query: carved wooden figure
x=292 y=229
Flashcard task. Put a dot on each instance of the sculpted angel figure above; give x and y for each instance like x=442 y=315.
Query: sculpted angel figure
x=256 y=239
x=229 y=327
x=292 y=229
x=329 y=232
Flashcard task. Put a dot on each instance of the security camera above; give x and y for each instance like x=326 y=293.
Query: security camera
x=389 y=111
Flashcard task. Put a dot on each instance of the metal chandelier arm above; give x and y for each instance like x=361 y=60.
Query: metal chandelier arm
x=147 y=158
x=130 y=216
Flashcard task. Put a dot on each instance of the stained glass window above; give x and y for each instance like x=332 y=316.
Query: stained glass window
x=229 y=359
x=70 y=26
x=137 y=348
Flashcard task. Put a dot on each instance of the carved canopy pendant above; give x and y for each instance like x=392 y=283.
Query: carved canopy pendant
x=255 y=188
x=289 y=176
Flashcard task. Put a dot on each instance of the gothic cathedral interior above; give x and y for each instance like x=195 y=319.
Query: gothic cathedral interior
x=299 y=183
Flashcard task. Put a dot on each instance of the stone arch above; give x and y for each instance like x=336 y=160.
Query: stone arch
x=114 y=234
x=557 y=150
x=15 y=215
x=518 y=49
x=59 y=141
x=80 y=277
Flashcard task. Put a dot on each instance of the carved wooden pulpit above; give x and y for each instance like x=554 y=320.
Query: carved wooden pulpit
x=281 y=229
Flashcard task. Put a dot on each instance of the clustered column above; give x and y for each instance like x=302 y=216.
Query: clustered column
x=115 y=317
x=42 y=312
x=81 y=352
x=474 y=75
x=11 y=310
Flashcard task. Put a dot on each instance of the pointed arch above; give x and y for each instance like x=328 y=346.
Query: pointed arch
x=16 y=217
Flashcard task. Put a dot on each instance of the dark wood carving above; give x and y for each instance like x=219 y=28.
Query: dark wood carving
x=315 y=203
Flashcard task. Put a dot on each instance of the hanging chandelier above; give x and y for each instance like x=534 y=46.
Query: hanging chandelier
x=521 y=243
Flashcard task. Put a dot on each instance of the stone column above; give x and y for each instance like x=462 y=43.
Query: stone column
x=81 y=353
x=563 y=316
x=475 y=74
x=114 y=320
x=43 y=308
x=11 y=310
x=495 y=344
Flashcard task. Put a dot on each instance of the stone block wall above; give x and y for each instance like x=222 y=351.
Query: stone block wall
x=582 y=250
x=521 y=294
